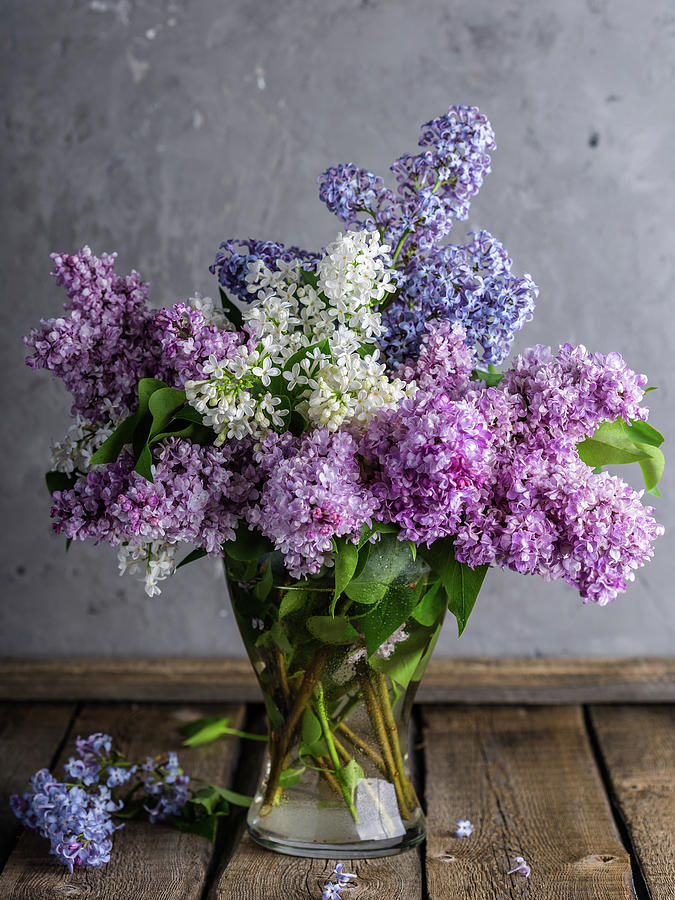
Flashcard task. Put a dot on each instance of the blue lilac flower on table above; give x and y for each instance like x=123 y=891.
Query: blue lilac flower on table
x=333 y=890
x=77 y=816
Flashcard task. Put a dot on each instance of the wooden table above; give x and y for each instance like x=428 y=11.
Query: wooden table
x=567 y=763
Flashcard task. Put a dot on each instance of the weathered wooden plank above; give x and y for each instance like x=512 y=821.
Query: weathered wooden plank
x=522 y=681
x=29 y=738
x=148 y=861
x=527 y=779
x=638 y=746
x=255 y=872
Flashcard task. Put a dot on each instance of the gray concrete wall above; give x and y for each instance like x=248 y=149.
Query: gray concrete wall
x=160 y=128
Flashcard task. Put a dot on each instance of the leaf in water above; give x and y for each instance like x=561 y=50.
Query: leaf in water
x=264 y=586
x=404 y=661
x=289 y=777
x=293 y=600
x=311 y=734
x=332 y=629
x=349 y=775
x=247 y=545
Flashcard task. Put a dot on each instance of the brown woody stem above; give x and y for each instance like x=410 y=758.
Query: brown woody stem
x=392 y=731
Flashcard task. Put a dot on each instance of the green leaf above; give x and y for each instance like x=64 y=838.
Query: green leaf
x=349 y=775
x=618 y=442
x=312 y=735
x=383 y=620
x=404 y=661
x=431 y=606
x=264 y=586
x=309 y=278
x=232 y=797
x=346 y=559
x=125 y=432
x=60 y=481
x=387 y=559
x=204 y=827
x=491 y=378
x=461 y=583
x=280 y=638
x=189 y=414
x=290 y=777
x=162 y=404
x=293 y=600
x=232 y=312
x=643 y=433
x=247 y=545
x=332 y=629
x=191 y=557
x=204 y=730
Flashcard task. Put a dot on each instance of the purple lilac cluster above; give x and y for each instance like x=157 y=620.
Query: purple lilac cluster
x=187 y=339
x=428 y=459
x=543 y=511
x=312 y=492
x=76 y=816
x=231 y=264
x=445 y=363
x=571 y=392
x=106 y=344
x=76 y=822
x=166 y=786
x=198 y=496
x=471 y=284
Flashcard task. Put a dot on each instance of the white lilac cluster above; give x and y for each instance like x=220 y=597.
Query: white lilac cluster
x=82 y=440
x=308 y=349
x=153 y=561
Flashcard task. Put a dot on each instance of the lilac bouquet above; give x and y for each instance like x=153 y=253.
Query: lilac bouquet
x=337 y=429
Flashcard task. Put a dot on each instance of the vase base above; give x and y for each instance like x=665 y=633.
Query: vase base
x=412 y=838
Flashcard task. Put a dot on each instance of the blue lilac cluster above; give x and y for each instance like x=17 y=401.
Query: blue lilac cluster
x=106 y=344
x=76 y=815
x=311 y=493
x=198 y=496
x=471 y=284
x=166 y=786
x=231 y=264
x=427 y=460
x=359 y=198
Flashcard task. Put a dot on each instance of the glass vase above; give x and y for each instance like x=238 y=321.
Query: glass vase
x=338 y=678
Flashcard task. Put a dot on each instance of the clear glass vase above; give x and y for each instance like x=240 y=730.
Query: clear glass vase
x=338 y=688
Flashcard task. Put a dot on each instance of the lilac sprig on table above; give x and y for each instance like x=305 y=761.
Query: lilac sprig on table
x=80 y=815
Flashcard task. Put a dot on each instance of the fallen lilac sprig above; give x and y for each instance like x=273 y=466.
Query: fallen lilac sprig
x=333 y=890
x=521 y=869
x=76 y=815
x=464 y=828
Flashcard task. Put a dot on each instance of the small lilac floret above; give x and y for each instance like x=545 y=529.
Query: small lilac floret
x=464 y=828
x=521 y=868
x=331 y=890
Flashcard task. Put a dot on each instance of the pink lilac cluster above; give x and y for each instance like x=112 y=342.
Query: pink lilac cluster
x=231 y=265
x=428 y=460
x=198 y=496
x=106 y=344
x=543 y=511
x=311 y=492
x=76 y=815
x=445 y=363
x=571 y=392
x=187 y=340
x=471 y=284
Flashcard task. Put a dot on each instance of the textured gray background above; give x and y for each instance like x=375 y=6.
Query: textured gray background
x=161 y=128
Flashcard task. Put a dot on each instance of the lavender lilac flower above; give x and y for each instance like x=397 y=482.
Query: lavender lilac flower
x=76 y=816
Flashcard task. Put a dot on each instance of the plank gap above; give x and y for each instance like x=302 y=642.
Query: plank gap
x=419 y=775
x=639 y=883
x=244 y=780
